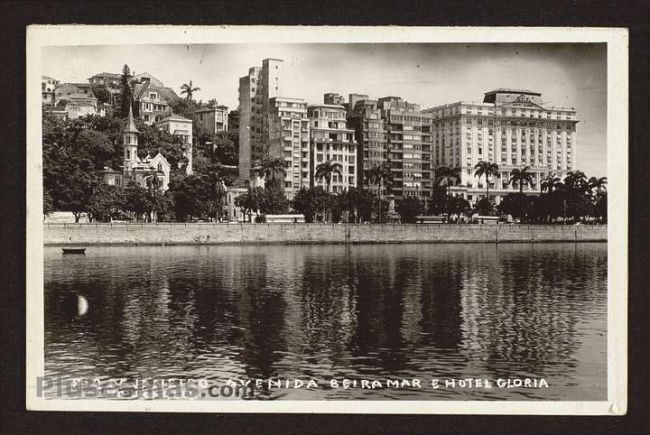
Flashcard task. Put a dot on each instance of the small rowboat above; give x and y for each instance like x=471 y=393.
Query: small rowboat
x=74 y=250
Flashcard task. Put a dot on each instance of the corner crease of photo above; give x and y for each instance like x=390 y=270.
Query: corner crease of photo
x=381 y=220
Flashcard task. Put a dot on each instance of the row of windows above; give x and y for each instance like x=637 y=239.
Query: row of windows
x=489 y=111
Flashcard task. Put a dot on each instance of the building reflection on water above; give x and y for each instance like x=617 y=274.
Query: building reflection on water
x=380 y=311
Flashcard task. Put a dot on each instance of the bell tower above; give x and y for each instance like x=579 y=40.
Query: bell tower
x=130 y=142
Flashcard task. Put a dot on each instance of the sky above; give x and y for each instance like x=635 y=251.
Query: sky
x=567 y=75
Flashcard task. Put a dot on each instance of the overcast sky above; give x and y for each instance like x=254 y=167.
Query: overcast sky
x=569 y=75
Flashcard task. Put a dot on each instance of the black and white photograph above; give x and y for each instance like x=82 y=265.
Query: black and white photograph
x=327 y=219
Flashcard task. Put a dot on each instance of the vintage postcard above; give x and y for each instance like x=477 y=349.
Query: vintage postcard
x=327 y=219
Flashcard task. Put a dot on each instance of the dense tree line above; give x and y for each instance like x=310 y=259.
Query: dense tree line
x=572 y=199
x=75 y=152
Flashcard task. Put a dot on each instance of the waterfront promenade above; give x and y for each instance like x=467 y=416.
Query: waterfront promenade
x=314 y=233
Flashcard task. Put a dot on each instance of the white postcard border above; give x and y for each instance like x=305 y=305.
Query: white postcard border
x=39 y=36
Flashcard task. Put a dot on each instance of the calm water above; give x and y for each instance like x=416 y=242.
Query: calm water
x=323 y=312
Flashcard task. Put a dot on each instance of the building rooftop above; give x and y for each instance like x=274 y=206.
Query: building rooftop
x=108 y=74
x=154 y=81
x=140 y=89
x=78 y=85
x=512 y=91
x=286 y=98
x=489 y=105
x=174 y=118
x=210 y=109
x=329 y=106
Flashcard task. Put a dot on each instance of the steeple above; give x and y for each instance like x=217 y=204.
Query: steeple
x=130 y=142
x=130 y=125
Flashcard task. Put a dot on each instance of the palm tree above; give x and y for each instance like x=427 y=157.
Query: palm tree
x=381 y=176
x=551 y=183
x=273 y=169
x=219 y=193
x=153 y=184
x=575 y=181
x=325 y=170
x=445 y=175
x=521 y=176
x=488 y=169
x=189 y=90
x=597 y=185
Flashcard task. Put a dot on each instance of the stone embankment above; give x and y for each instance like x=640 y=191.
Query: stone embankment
x=208 y=233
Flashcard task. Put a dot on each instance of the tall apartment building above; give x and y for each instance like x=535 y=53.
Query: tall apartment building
x=511 y=127
x=255 y=90
x=364 y=116
x=409 y=146
x=289 y=138
x=332 y=140
x=396 y=131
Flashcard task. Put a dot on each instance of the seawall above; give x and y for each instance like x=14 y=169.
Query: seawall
x=213 y=233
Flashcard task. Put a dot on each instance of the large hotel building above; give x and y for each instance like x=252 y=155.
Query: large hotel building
x=512 y=128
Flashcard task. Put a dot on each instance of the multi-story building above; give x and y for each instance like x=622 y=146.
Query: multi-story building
x=112 y=82
x=364 y=116
x=255 y=91
x=48 y=85
x=77 y=99
x=391 y=130
x=181 y=127
x=409 y=146
x=512 y=128
x=289 y=138
x=153 y=98
x=331 y=140
x=213 y=119
x=353 y=99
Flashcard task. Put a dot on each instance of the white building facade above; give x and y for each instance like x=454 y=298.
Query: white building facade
x=181 y=127
x=331 y=140
x=289 y=138
x=512 y=128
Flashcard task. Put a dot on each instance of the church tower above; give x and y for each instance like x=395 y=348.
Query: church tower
x=130 y=142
